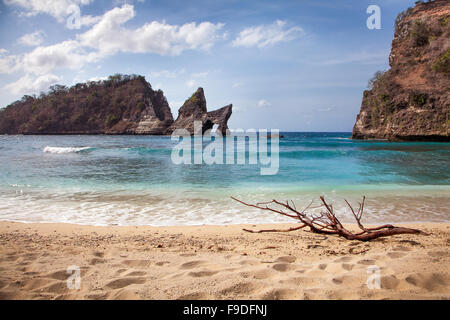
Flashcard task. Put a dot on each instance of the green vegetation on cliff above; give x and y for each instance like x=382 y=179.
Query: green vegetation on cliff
x=108 y=106
x=410 y=101
x=442 y=63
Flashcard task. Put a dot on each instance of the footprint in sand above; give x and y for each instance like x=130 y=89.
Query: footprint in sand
x=120 y=271
x=161 y=263
x=282 y=267
x=126 y=294
x=258 y=274
x=366 y=262
x=34 y=284
x=187 y=255
x=3 y=284
x=59 y=275
x=339 y=280
x=97 y=296
x=283 y=294
x=323 y=266
x=29 y=256
x=124 y=282
x=200 y=274
x=9 y=295
x=136 y=274
x=389 y=282
x=137 y=263
x=305 y=282
x=193 y=296
x=239 y=289
x=57 y=287
x=10 y=258
x=429 y=281
x=99 y=254
x=192 y=264
x=344 y=259
x=438 y=254
x=287 y=259
x=63 y=275
x=401 y=248
x=95 y=261
x=396 y=255
x=249 y=262
x=347 y=266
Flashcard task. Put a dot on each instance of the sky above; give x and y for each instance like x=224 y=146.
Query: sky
x=290 y=65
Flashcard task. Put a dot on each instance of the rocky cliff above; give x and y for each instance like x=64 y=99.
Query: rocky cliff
x=194 y=109
x=121 y=104
x=411 y=100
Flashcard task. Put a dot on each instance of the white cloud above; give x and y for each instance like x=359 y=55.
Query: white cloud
x=28 y=84
x=263 y=103
x=66 y=54
x=56 y=8
x=89 y=20
x=97 y=79
x=237 y=84
x=267 y=35
x=191 y=83
x=7 y=62
x=167 y=73
x=109 y=37
x=32 y=39
x=362 y=57
x=127 y=1
x=325 y=109
x=200 y=74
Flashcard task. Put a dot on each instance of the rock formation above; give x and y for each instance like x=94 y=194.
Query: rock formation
x=194 y=109
x=411 y=100
x=121 y=104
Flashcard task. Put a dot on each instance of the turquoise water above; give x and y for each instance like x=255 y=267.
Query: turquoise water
x=131 y=180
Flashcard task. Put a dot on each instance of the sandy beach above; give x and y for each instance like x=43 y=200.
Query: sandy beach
x=218 y=262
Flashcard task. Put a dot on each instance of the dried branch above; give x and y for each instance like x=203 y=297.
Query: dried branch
x=326 y=221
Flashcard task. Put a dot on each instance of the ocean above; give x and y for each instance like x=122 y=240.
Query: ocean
x=132 y=180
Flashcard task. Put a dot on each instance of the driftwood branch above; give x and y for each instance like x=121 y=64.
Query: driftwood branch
x=326 y=221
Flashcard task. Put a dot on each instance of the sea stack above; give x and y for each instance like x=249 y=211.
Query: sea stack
x=194 y=109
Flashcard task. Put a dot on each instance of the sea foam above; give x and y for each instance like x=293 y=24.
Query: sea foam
x=60 y=150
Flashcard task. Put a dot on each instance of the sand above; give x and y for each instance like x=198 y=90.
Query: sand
x=218 y=262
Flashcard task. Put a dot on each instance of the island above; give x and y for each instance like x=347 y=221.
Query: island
x=121 y=104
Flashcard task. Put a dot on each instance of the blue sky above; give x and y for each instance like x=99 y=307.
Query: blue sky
x=291 y=65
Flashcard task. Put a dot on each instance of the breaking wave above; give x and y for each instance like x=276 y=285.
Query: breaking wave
x=60 y=150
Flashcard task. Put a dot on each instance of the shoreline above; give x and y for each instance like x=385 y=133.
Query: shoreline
x=274 y=224
x=218 y=262
x=212 y=207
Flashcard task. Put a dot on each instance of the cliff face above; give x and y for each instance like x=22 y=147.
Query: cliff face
x=194 y=109
x=411 y=100
x=119 y=105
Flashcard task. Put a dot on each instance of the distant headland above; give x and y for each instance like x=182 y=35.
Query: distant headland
x=121 y=104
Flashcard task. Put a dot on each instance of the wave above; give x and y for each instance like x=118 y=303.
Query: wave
x=61 y=150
